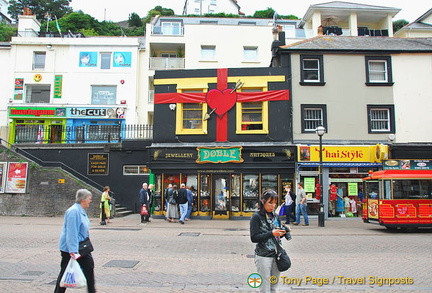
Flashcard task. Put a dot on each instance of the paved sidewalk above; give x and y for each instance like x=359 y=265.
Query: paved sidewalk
x=216 y=256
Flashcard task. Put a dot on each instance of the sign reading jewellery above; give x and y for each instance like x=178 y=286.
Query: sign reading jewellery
x=219 y=155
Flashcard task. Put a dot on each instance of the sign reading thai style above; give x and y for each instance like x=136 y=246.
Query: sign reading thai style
x=219 y=155
x=407 y=165
x=341 y=153
x=98 y=164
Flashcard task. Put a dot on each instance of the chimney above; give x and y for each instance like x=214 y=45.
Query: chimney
x=28 y=25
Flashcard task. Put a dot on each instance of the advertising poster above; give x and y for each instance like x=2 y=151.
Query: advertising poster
x=16 y=177
x=88 y=59
x=309 y=184
x=352 y=188
x=19 y=87
x=2 y=177
x=122 y=59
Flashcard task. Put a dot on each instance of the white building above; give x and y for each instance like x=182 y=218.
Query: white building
x=201 y=7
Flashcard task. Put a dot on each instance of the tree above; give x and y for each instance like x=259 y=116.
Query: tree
x=398 y=24
x=269 y=13
x=134 y=20
x=7 y=32
x=59 y=8
x=158 y=10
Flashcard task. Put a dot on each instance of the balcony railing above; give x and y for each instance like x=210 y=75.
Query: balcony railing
x=167 y=63
x=40 y=134
x=168 y=30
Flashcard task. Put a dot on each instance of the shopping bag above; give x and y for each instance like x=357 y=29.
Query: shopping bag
x=73 y=277
x=282 y=210
x=144 y=210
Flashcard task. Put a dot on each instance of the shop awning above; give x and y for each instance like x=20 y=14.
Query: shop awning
x=344 y=164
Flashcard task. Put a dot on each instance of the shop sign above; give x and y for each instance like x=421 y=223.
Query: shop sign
x=58 y=85
x=110 y=113
x=309 y=184
x=219 y=155
x=35 y=112
x=352 y=188
x=19 y=88
x=342 y=153
x=98 y=164
x=407 y=165
x=16 y=177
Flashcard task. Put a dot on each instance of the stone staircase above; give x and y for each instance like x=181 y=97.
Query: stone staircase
x=121 y=211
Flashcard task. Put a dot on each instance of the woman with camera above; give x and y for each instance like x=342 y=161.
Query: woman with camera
x=266 y=228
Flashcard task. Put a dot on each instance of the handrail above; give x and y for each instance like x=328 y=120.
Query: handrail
x=52 y=164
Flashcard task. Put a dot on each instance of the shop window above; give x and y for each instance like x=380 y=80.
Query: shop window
x=269 y=182
x=313 y=116
x=205 y=204
x=104 y=95
x=39 y=60
x=250 y=54
x=190 y=118
x=36 y=93
x=250 y=192
x=381 y=119
x=312 y=70
x=135 y=170
x=252 y=118
x=208 y=53
x=378 y=71
x=105 y=60
x=235 y=193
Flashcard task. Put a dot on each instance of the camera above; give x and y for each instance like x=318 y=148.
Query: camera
x=287 y=232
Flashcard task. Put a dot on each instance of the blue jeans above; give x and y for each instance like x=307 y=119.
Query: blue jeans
x=189 y=212
x=301 y=209
x=288 y=213
x=183 y=211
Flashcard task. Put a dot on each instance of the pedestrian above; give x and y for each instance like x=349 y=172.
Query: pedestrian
x=144 y=200
x=172 y=209
x=151 y=193
x=289 y=203
x=105 y=214
x=167 y=193
x=182 y=201
x=265 y=229
x=190 y=203
x=76 y=229
x=301 y=205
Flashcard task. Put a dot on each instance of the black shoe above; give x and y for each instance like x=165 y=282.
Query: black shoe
x=181 y=222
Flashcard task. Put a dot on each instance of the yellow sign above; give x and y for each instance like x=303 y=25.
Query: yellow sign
x=60 y=181
x=37 y=77
x=333 y=153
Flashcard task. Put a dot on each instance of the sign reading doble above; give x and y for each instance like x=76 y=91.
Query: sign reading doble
x=98 y=164
x=219 y=155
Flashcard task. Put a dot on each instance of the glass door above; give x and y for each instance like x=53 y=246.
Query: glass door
x=220 y=192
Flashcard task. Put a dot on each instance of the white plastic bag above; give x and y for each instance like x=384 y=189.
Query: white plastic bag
x=73 y=277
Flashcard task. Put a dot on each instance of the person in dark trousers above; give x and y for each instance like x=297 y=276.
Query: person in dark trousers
x=145 y=200
x=75 y=229
x=190 y=203
x=289 y=204
x=182 y=201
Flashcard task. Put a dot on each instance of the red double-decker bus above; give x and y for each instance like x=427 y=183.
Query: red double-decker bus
x=398 y=198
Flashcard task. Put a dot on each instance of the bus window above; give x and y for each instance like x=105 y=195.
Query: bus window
x=387 y=189
x=412 y=189
x=372 y=189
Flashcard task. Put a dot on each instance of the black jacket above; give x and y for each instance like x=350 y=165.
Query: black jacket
x=182 y=196
x=261 y=234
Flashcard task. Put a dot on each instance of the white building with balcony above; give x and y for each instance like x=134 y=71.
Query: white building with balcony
x=201 y=7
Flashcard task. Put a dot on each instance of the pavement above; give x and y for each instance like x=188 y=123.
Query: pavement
x=217 y=256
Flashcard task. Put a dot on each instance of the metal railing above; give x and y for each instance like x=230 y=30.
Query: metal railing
x=41 y=134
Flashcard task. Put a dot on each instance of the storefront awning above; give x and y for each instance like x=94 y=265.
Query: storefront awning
x=344 y=164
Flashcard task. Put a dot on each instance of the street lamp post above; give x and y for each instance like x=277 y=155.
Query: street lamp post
x=320 y=130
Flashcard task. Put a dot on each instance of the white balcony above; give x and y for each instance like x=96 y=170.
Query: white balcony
x=150 y=97
x=161 y=63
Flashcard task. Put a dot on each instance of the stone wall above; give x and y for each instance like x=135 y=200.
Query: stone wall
x=49 y=192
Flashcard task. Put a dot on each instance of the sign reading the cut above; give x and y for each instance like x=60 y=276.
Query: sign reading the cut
x=219 y=155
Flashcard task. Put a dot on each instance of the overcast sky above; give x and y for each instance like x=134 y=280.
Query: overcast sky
x=120 y=10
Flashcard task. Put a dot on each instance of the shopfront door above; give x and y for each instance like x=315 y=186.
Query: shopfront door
x=220 y=193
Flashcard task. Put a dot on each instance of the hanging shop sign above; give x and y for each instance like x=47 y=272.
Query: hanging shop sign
x=407 y=165
x=342 y=153
x=58 y=85
x=19 y=89
x=98 y=164
x=219 y=155
x=16 y=177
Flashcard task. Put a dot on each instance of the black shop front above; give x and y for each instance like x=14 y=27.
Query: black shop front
x=226 y=181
